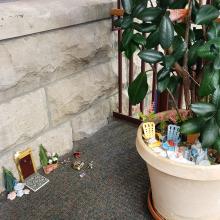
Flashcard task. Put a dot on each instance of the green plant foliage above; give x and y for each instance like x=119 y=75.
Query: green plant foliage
x=197 y=55
x=210 y=81
x=203 y=109
x=163 y=73
x=162 y=84
x=139 y=39
x=150 y=14
x=192 y=126
x=150 y=56
x=216 y=97
x=214 y=31
x=43 y=156
x=209 y=133
x=206 y=14
x=138 y=89
x=153 y=40
x=145 y=27
x=193 y=57
x=166 y=30
x=127 y=37
x=127 y=5
x=9 y=180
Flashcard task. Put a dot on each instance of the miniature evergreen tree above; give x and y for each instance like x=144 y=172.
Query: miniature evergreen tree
x=9 y=180
x=43 y=156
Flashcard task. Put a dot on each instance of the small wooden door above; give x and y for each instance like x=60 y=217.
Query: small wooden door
x=26 y=165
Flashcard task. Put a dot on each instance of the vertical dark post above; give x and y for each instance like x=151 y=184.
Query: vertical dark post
x=154 y=83
x=163 y=101
x=130 y=81
x=142 y=70
x=119 y=66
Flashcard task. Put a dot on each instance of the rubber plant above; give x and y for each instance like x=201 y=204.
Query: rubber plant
x=187 y=33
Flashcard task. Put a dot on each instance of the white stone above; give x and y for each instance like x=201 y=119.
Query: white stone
x=23 y=17
x=22 y=118
x=33 y=61
x=73 y=95
x=91 y=120
x=57 y=140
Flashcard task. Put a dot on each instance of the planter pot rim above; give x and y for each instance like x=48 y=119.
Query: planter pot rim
x=185 y=171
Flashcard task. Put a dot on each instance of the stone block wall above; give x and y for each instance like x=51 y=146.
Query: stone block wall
x=58 y=80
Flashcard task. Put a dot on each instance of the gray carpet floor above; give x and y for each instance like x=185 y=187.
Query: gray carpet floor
x=116 y=188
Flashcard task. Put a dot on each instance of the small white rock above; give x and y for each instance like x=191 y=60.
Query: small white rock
x=26 y=191
x=11 y=195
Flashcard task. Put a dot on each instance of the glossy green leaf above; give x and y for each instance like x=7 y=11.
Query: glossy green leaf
x=138 y=9
x=217 y=144
x=150 y=14
x=127 y=5
x=168 y=61
x=179 y=47
x=193 y=52
x=163 y=3
x=206 y=14
x=163 y=84
x=163 y=73
x=127 y=37
x=217 y=62
x=153 y=40
x=139 y=39
x=216 y=3
x=144 y=27
x=150 y=56
x=192 y=126
x=126 y=22
x=214 y=31
x=206 y=51
x=177 y=4
x=173 y=83
x=138 y=89
x=210 y=133
x=130 y=49
x=209 y=81
x=216 y=97
x=166 y=31
x=217 y=117
x=203 y=109
x=180 y=30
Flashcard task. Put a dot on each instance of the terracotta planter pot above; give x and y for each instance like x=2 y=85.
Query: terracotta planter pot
x=180 y=191
x=49 y=168
x=191 y=138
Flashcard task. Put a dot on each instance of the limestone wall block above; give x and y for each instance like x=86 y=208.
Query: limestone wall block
x=73 y=95
x=33 y=61
x=22 y=118
x=91 y=120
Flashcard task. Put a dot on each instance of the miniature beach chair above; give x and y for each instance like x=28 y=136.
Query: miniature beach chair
x=173 y=133
x=149 y=134
x=173 y=138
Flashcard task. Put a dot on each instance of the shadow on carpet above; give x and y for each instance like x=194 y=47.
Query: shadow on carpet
x=116 y=188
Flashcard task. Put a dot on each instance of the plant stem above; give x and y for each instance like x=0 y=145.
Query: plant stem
x=186 y=81
x=175 y=105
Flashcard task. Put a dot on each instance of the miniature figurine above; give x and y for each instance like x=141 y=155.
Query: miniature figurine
x=78 y=165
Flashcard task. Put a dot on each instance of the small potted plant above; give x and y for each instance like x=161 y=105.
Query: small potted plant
x=48 y=161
